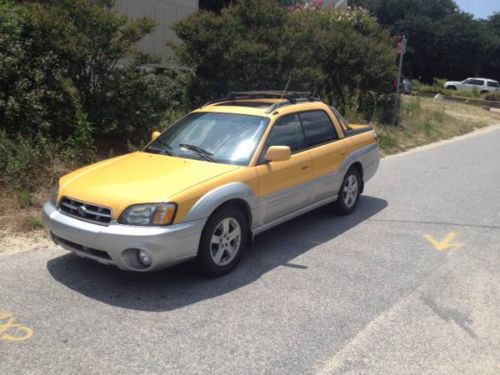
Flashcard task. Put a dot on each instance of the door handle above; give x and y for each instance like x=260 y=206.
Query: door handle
x=342 y=153
x=304 y=167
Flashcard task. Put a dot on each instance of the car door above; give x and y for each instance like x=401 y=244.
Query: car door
x=328 y=152
x=470 y=84
x=285 y=186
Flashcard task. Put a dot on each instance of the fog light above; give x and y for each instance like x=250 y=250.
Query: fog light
x=144 y=258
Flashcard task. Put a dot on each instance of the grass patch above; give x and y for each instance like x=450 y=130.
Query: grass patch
x=31 y=223
x=26 y=199
x=424 y=121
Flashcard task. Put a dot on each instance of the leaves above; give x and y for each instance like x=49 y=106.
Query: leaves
x=260 y=45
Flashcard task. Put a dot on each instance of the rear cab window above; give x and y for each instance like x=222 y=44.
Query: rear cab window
x=318 y=128
x=301 y=131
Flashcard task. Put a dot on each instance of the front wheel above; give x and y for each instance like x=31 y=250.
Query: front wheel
x=222 y=242
x=349 y=192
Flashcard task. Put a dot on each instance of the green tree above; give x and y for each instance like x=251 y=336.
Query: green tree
x=261 y=45
x=442 y=40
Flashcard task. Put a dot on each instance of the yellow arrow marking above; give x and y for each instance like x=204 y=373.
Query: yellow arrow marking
x=445 y=243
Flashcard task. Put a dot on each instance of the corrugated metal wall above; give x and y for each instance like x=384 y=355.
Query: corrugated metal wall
x=164 y=13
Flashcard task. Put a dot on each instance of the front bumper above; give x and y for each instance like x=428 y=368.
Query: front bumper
x=117 y=244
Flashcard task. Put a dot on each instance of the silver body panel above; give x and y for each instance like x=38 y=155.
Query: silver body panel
x=167 y=245
x=176 y=243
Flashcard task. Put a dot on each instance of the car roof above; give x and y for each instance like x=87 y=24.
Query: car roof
x=263 y=103
x=484 y=79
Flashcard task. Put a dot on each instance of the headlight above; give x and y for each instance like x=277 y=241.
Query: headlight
x=54 y=193
x=149 y=214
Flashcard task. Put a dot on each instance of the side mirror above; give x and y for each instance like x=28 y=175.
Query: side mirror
x=278 y=153
x=155 y=135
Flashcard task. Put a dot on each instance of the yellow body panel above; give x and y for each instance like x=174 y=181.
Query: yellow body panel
x=150 y=178
x=138 y=178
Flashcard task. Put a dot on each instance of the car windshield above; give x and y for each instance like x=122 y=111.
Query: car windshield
x=217 y=137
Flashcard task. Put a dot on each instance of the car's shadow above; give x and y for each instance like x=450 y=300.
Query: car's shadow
x=181 y=285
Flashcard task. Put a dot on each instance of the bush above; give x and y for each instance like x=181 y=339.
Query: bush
x=68 y=62
x=343 y=57
x=28 y=163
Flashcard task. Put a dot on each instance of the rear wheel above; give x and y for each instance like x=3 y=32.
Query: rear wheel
x=222 y=242
x=452 y=88
x=349 y=193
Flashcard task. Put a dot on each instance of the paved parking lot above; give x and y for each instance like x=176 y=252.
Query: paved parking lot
x=408 y=284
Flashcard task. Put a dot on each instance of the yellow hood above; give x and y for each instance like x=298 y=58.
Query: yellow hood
x=135 y=178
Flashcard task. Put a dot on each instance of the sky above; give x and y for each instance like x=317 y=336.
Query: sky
x=479 y=8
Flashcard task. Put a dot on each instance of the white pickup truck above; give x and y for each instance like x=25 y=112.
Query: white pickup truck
x=482 y=85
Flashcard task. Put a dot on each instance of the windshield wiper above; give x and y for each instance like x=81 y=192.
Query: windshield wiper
x=199 y=150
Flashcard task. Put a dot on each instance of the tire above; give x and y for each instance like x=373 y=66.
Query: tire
x=349 y=193
x=452 y=88
x=484 y=92
x=223 y=242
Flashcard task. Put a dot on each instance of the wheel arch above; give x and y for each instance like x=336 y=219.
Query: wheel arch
x=236 y=193
x=359 y=167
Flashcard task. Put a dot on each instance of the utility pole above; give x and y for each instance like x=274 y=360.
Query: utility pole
x=402 y=50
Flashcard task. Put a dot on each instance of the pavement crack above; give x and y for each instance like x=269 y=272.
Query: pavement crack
x=437 y=223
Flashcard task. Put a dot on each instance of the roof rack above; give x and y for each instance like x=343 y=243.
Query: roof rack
x=291 y=96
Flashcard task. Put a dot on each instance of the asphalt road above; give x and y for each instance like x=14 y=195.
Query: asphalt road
x=364 y=294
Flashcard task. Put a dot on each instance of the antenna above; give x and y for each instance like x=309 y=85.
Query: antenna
x=286 y=87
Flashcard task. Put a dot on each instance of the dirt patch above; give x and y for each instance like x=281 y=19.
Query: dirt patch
x=11 y=243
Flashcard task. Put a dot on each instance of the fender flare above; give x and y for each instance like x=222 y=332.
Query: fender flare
x=209 y=202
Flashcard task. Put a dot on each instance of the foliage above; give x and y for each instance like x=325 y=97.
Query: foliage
x=260 y=45
x=442 y=40
x=31 y=223
x=83 y=46
x=26 y=162
x=425 y=120
x=70 y=75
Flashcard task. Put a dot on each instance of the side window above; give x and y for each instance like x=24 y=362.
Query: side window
x=287 y=132
x=318 y=128
x=469 y=81
x=479 y=82
x=492 y=84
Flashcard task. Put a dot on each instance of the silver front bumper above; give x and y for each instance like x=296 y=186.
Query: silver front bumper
x=117 y=244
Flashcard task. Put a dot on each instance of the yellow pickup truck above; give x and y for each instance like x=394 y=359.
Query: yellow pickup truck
x=209 y=183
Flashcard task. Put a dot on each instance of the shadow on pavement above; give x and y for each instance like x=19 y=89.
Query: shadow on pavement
x=181 y=285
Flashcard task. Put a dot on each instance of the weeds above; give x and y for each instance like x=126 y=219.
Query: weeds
x=26 y=199
x=31 y=223
x=425 y=120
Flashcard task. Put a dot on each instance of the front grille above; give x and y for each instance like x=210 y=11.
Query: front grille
x=85 y=211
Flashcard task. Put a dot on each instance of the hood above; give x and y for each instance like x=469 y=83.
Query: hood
x=138 y=177
x=453 y=82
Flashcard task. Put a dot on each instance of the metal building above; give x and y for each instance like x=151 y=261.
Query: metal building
x=164 y=13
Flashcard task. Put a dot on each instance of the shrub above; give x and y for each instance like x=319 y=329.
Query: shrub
x=340 y=56
x=72 y=64
x=26 y=162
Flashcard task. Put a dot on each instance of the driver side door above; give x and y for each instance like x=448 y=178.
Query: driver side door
x=285 y=186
